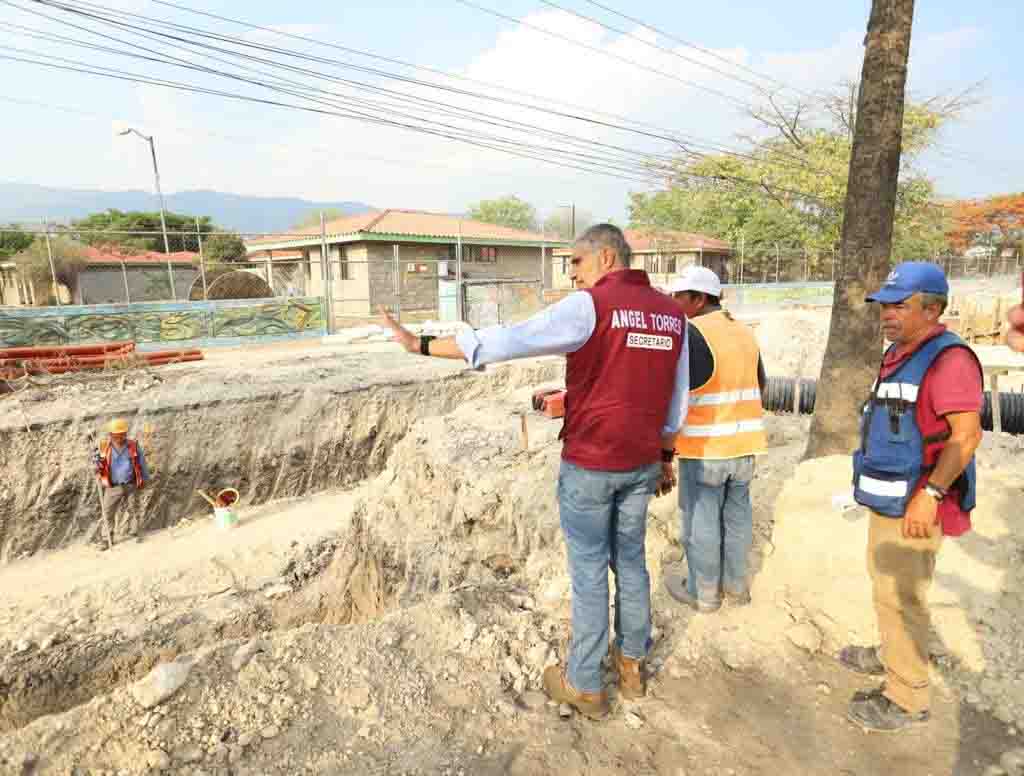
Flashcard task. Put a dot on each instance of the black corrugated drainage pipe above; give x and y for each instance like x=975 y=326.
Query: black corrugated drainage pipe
x=780 y=393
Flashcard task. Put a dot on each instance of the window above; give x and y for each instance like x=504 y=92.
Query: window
x=481 y=253
x=343 y=262
x=670 y=264
x=565 y=265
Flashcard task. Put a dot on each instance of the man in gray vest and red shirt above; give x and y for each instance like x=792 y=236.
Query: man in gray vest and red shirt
x=915 y=471
x=627 y=381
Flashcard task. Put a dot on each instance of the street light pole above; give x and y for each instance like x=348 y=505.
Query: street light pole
x=160 y=194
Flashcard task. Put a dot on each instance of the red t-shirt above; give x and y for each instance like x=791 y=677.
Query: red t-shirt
x=951 y=384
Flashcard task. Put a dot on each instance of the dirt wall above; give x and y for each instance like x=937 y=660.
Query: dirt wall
x=268 y=446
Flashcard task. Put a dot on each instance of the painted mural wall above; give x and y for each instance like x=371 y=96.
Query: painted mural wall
x=166 y=323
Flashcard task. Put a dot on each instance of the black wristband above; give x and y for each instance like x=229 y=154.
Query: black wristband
x=667 y=456
x=425 y=341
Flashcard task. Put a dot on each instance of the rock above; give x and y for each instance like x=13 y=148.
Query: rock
x=235 y=754
x=633 y=721
x=188 y=754
x=245 y=653
x=565 y=711
x=22 y=645
x=990 y=688
x=278 y=590
x=356 y=696
x=161 y=683
x=157 y=760
x=805 y=635
x=219 y=754
x=1013 y=762
x=364 y=731
x=309 y=677
x=246 y=739
x=534 y=700
x=270 y=731
x=469 y=631
x=993 y=770
x=512 y=667
x=824 y=688
x=537 y=657
x=523 y=601
x=973 y=698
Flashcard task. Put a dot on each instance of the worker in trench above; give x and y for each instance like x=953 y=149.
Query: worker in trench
x=121 y=472
x=627 y=382
x=915 y=471
x=722 y=434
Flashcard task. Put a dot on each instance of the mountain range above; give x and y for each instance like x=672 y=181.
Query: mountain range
x=27 y=203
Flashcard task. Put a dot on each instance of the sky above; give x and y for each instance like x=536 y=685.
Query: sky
x=60 y=128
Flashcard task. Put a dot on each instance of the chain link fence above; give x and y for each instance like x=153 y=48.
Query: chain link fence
x=500 y=301
x=61 y=265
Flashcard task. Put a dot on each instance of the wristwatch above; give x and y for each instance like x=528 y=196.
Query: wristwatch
x=425 y=341
x=935 y=491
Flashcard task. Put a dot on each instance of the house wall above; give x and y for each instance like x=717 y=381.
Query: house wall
x=105 y=285
x=656 y=266
x=13 y=292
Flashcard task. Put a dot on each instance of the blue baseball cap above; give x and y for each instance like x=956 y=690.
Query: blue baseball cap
x=909 y=278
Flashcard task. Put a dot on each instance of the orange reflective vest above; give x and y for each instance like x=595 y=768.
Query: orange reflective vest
x=725 y=418
x=107 y=457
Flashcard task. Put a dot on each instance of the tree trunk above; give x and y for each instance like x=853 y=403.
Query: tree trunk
x=854 y=341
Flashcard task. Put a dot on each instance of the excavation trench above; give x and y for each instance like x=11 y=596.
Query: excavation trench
x=461 y=500
x=270 y=448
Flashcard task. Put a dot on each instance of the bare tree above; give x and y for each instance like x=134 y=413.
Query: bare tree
x=854 y=342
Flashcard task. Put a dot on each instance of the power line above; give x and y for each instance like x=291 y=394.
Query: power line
x=582 y=162
x=701 y=49
x=85 y=68
x=602 y=52
x=655 y=46
x=647 y=157
x=103 y=72
x=678 y=139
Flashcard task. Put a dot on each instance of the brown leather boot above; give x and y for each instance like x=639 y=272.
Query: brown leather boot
x=590 y=704
x=632 y=683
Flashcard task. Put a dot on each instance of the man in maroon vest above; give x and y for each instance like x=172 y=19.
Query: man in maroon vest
x=627 y=381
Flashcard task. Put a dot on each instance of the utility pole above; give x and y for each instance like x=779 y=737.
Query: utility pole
x=854 y=340
x=163 y=209
x=53 y=271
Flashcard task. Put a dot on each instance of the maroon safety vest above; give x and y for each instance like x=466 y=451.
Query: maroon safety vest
x=620 y=383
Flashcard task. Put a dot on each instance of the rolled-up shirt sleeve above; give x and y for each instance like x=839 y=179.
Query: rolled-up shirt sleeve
x=681 y=393
x=564 y=327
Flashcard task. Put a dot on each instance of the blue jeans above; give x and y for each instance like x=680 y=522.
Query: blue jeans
x=717 y=525
x=604 y=521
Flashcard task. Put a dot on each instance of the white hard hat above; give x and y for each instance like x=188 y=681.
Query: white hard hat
x=697 y=279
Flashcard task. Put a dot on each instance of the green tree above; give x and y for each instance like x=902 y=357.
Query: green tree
x=223 y=247
x=115 y=228
x=311 y=221
x=505 y=211
x=790 y=189
x=34 y=266
x=559 y=223
x=12 y=241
